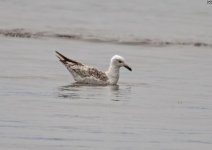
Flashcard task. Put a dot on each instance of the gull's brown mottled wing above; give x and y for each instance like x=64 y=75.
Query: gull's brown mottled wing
x=85 y=71
x=82 y=70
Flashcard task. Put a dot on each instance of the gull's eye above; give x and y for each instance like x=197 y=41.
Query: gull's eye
x=120 y=61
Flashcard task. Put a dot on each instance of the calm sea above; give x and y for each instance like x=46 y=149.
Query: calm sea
x=163 y=104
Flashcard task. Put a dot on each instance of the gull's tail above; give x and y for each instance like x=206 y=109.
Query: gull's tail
x=66 y=60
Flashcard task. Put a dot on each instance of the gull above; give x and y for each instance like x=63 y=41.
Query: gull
x=89 y=75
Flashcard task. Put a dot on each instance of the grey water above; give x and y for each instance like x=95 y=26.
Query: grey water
x=164 y=103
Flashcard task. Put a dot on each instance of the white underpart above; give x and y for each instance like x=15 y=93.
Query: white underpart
x=113 y=73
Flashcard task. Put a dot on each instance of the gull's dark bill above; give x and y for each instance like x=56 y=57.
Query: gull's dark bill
x=126 y=66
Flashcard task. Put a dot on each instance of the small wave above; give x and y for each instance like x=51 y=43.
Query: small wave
x=22 y=33
x=144 y=42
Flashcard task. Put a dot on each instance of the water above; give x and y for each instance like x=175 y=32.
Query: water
x=125 y=21
x=164 y=103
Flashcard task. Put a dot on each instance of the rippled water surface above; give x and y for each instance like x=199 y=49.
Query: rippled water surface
x=163 y=104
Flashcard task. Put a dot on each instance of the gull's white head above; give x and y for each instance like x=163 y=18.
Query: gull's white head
x=119 y=61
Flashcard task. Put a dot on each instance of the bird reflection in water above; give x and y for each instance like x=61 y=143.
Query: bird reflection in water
x=120 y=93
x=78 y=91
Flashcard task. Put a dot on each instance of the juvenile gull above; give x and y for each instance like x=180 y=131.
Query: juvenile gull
x=89 y=75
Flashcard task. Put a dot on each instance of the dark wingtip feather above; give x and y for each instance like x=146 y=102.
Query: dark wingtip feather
x=65 y=59
x=61 y=57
